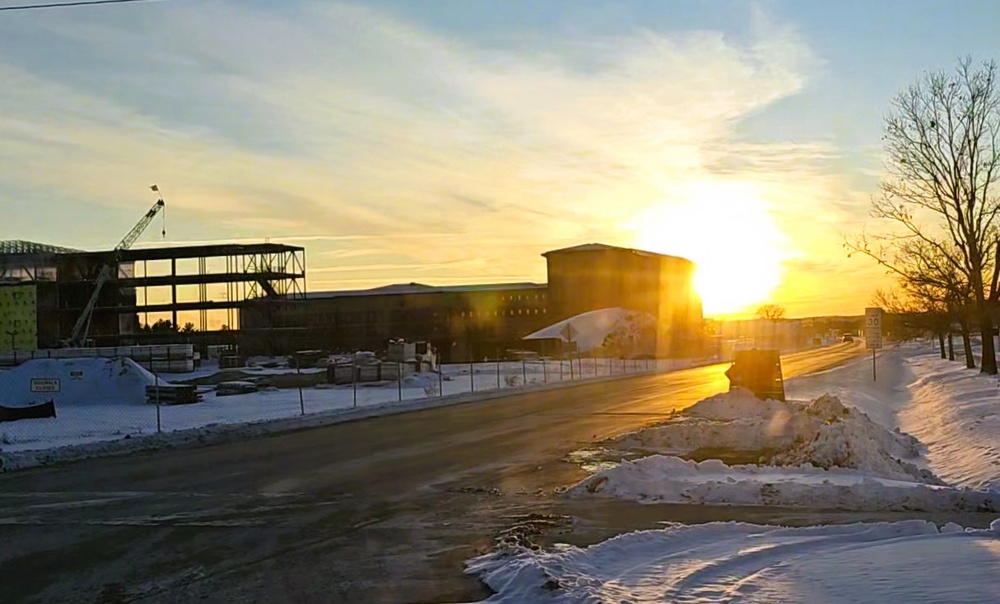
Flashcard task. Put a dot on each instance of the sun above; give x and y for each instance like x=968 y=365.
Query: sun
x=727 y=230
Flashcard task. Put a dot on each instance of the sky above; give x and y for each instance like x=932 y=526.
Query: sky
x=455 y=141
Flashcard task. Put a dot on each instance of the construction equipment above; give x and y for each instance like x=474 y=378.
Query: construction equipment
x=78 y=336
x=759 y=371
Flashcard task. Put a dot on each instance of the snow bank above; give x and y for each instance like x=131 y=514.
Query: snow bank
x=590 y=328
x=72 y=382
x=824 y=433
x=911 y=561
x=955 y=412
x=666 y=479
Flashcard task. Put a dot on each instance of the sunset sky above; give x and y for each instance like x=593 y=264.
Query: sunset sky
x=452 y=142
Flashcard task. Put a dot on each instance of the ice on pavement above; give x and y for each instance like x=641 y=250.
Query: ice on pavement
x=908 y=561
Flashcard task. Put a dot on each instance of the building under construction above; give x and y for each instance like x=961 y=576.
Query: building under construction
x=255 y=296
x=44 y=290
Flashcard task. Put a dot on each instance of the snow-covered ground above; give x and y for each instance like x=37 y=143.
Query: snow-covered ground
x=907 y=561
x=113 y=407
x=924 y=437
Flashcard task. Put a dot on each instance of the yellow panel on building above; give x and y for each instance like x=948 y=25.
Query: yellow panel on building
x=19 y=317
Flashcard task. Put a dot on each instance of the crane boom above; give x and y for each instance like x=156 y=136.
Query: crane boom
x=82 y=326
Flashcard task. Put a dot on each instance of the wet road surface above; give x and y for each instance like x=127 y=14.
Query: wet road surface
x=378 y=510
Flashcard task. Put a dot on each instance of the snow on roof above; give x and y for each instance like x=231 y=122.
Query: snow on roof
x=19 y=246
x=588 y=329
x=420 y=288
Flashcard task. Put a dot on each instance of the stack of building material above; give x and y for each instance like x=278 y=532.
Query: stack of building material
x=235 y=387
x=172 y=394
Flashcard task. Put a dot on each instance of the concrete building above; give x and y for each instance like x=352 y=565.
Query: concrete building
x=474 y=322
x=462 y=322
x=594 y=276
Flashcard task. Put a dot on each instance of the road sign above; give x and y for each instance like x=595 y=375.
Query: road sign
x=873 y=328
x=45 y=385
x=568 y=332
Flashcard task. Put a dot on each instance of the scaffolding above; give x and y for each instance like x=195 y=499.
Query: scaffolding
x=247 y=272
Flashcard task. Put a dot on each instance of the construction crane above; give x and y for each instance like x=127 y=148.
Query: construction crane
x=81 y=328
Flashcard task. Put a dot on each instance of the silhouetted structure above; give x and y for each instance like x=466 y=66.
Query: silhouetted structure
x=474 y=322
x=44 y=288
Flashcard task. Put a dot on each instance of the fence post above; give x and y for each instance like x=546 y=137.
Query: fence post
x=472 y=377
x=545 y=372
x=399 y=380
x=571 y=376
x=498 y=373
x=524 y=372
x=560 y=370
x=440 y=379
x=354 y=380
x=159 y=425
x=298 y=373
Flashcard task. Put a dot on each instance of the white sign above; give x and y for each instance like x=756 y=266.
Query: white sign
x=45 y=385
x=873 y=327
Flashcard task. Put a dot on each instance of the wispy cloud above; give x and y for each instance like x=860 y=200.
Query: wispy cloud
x=363 y=136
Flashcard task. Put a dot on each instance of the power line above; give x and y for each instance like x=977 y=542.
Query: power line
x=68 y=4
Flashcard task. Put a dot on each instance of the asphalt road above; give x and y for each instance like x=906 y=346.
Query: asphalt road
x=378 y=510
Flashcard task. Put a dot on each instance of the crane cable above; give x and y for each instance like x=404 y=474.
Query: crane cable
x=67 y=4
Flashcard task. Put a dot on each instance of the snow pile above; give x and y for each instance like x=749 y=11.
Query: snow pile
x=72 y=382
x=955 y=412
x=666 y=479
x=735 y=562
x=824 y=433
x=590 y=329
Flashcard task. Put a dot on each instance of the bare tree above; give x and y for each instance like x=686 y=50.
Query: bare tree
x=942 y=141
x=770 y=312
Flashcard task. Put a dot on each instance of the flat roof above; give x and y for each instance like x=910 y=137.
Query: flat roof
x=420 y=288
x=194 y=251
x=600 y=247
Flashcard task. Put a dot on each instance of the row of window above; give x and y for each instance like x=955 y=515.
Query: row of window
x=521 y=297
x=471 y=314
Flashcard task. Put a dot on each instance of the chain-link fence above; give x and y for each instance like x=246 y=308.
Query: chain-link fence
x=85 y=400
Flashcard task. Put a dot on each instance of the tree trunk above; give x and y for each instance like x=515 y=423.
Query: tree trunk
x=951 y=345
x=989 y=360
x=970 y=358
x=944 y=355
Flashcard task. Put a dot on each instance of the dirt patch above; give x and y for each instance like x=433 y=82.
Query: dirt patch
x=527 y=528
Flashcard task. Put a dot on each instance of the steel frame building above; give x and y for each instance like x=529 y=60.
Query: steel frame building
x=65 y=279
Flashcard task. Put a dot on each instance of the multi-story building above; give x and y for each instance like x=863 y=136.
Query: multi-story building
x=485 y=321
x=462 y=322
x=593 y=276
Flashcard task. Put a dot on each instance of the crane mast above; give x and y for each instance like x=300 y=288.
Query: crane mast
x=78 y=336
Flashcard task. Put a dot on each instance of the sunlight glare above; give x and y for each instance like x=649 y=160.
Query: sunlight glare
x=726 y=229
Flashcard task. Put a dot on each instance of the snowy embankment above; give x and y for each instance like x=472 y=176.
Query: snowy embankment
x=908 y=561
x=840 y=450
x=823 y=453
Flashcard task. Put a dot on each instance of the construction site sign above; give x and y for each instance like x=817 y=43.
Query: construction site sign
x=873 y=328
x=45 y=385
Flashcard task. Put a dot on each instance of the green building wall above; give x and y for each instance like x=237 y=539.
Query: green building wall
x=19 y=317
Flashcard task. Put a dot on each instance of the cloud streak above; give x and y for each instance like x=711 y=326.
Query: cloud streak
x=370 y=139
